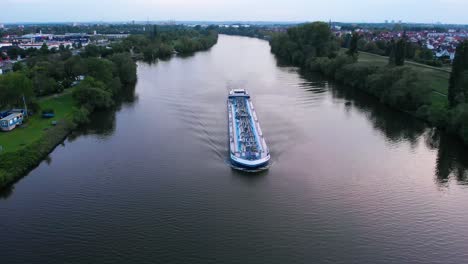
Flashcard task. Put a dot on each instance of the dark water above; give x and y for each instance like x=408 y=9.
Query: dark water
x=350 y=182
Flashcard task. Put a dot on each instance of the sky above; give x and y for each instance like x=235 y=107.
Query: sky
x=422 y=11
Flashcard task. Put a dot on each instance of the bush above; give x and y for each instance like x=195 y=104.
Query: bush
x=125 y=68
x=458 y=122
x=328 y=66
x=355 y=75
x=408 y=93
x=15 y=165
x=94 y=94
x=438 y=114
x=80 y=115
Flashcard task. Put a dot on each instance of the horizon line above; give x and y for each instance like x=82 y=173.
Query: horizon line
x=142 y=22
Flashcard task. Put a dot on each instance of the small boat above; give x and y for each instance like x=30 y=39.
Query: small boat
x=247 y=145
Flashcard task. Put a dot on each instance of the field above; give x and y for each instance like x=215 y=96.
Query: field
x=438 y=78
x=35 y=127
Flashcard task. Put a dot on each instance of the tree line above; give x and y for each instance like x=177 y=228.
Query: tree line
x=163 y=41
x=314 y=47
x=412 y=51
x=108 y=69
x=49 y=72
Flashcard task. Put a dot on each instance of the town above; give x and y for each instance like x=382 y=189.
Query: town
x=441 y=44
x=15 y=48
x=436 y=43
x=220 y=131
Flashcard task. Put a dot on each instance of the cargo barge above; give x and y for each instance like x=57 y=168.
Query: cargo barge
x=247 y=145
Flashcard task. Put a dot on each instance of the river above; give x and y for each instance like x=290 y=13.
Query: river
x=351 y=181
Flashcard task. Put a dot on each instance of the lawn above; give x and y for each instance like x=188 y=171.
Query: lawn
x=35 y=126
x=438 y=77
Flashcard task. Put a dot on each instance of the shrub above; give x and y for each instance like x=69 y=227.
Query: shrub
x=458 y=122
x=15 y=165
x=355 y=75
x=93 y=98
x=80 y=115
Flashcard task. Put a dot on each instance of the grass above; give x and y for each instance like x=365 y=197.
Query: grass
x=36 y=126
x=438 y=78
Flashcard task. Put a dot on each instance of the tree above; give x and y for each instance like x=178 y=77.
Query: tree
x=74 y=67
x=304 y=42
x=397 y=55
x=424 y=54
x=125 y=67
x=44 y=50
x=353 y=46
x=15 y=52
x=93 y=94
x=400 y=53
x=18 y=66
x=13 y=86
x=361 y=44
x=391 y=56
x=44 y=85
x=458 y=90
x=100 y=69
x=154 y=32
x=92 y=51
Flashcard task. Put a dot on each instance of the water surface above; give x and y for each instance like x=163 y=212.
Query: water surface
x=351 y=181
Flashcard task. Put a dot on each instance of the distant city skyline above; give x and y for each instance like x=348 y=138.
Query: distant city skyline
x=372 y=11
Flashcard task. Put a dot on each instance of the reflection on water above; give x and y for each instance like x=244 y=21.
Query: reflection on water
x=103 y=123
x=7 y=192
x=394 y=125
x=452 y=157
x=452 y=160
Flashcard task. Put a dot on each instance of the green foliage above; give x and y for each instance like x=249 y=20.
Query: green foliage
x=80 y=115
x=74 y=67
x=16 y=164
x=44 y=85
x=437 y=113
x=100 y=69
x=125 y=68
x=329 y=67
x=44 y=50
x=252 y=31
x=361 y=44
x=424 y=54
x=12 y=88
x=93 y=94
x=408 y=92
x=92 y=51
x=303 y=42
x=355 y=75
x=458 y=84
x=398 y=53
x=459 y=121
x=16 y=52
x=161 y=42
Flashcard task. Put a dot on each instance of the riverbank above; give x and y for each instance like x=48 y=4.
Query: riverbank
x=437 y=77
x=25 y=147
x=106 y=75
x=421 y=91
x=342 y=177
